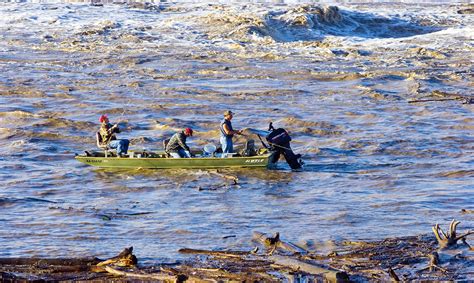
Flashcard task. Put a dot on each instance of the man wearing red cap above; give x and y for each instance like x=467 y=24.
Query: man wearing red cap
x=177 y=146
x=107 y=132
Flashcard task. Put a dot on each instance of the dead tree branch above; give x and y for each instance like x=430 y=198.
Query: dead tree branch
x=450 y=239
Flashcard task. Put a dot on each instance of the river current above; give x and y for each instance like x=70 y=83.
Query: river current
x=339 y=78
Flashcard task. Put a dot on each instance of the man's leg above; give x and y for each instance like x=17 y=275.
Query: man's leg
x=114 y=145
x=122 y=147
x=227 y=146
x=175 y=155
x=183 y=153
x=125 y=143
x=230 y=145
x=223 y=141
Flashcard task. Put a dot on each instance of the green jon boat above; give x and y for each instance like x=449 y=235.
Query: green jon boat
x=160 y=160
x=249 y=156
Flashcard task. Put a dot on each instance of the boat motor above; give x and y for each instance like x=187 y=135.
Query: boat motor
x=279 y=141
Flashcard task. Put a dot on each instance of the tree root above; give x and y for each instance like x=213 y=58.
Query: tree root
x=274 y=242
x=125 y=258
x=450 y=239
x=433 y=264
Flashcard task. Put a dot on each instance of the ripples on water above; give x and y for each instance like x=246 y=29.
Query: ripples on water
x=338 y=78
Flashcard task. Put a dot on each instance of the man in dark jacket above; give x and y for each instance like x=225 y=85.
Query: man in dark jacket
x=177 y=146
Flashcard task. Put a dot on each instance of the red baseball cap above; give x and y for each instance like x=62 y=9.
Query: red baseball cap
x=188 y=131
x=102 y=118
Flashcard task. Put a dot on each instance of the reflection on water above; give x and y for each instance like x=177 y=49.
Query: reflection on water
x=338 y=79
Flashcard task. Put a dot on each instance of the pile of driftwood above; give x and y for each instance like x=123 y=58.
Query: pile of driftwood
x=446 y=256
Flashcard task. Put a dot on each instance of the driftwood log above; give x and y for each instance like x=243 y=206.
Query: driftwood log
x=125 y=258
x=294 y=262
x=467 y=211
x=234 y=254
x=148 y=276
x=61 y=268
x=329 y=275
x=50 y=261
x=275 y=242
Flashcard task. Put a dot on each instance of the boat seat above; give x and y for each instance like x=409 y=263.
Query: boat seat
x=104 y=147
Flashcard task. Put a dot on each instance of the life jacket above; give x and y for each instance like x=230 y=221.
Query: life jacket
x=229 y=125
x=106 y=135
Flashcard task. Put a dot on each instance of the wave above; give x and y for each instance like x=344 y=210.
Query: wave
x=310 y=22
x=17 y=114
x=21 y=91
x=457 y=174
x=19 y=118
x=301 y=127
x=99 y=28
x=58 y=123
x=27 y=200
x=24 y=138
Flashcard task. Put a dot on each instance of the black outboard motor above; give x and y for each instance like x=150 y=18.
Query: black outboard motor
x=279 y=141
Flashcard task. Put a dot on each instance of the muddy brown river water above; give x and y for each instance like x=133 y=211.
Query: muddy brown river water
x=338 y=78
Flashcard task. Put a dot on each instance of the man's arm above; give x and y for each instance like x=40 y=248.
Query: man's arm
x=229 y=131
x=183 y=144
x=114 y=129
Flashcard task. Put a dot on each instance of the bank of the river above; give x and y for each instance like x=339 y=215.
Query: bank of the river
x=446 y=256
